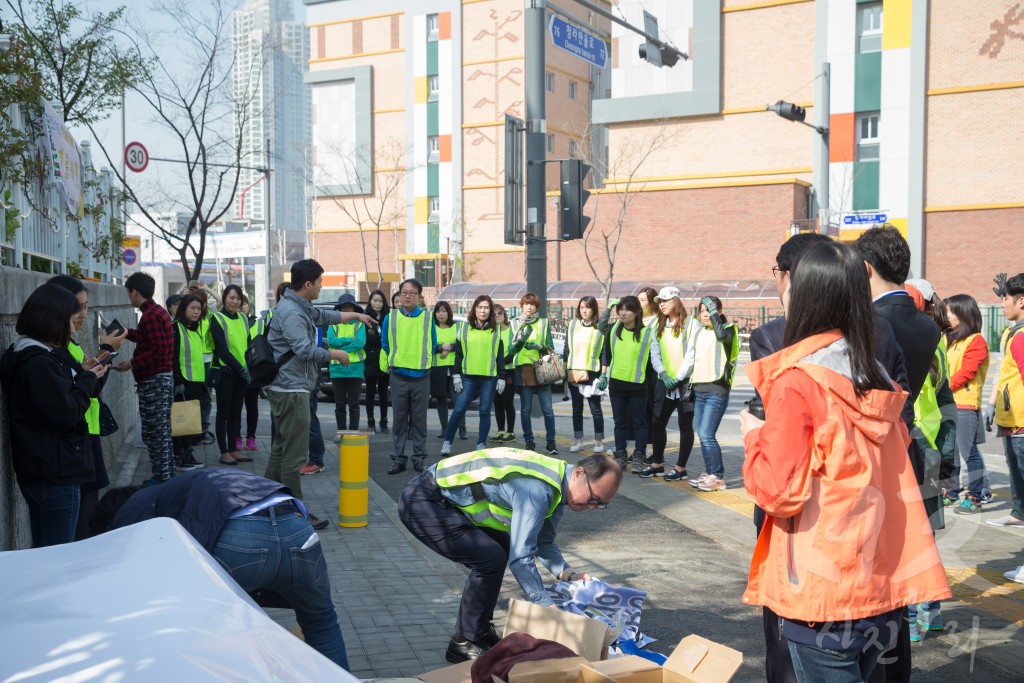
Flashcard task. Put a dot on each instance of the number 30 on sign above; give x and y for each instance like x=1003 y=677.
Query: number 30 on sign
x=136 y=158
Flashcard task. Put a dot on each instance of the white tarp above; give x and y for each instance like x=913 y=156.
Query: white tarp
x=142 y=603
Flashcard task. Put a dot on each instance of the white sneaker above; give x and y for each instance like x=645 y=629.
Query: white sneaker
x=598 y=447
x=446 y=448
x=712 y=483
x=481 y=446
x=1016 y=575
x=695 y=483
x=577 y=447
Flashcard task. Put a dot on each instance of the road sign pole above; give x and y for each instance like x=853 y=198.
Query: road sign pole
x=821 y=160
x=536 y=154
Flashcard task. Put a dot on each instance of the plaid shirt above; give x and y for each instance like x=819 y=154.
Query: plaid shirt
x=155 y=338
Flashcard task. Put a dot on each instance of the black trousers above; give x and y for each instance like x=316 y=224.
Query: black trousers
x=505 y=409
x=663 y=409
x=230 y=397
x=346 y=401
x=448 y=532
x=377 y=387
x=252 y=411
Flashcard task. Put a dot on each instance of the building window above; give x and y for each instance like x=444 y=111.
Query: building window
x=433 y=86
x=867 y=137
x=549 y=81
x=572 y=90
x=432 y=27
x=435 y=209
x=869 y=27
x=551 y=142
x=433 y=148
x=572 y=149
x=425 y=272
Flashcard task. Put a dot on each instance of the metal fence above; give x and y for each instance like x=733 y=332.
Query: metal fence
x=42 y=235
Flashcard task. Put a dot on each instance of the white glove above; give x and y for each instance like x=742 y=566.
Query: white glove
x=501 y=386
x=457 y=383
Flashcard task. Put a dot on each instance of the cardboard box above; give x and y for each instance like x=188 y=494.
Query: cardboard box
x=589 y=638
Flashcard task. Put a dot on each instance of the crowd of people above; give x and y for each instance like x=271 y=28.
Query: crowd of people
x=869 y=395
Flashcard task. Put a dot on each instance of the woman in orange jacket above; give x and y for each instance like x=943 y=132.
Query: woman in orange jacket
x=847 y=545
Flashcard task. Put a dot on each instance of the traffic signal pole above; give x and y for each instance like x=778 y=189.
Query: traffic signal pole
x=536 y=154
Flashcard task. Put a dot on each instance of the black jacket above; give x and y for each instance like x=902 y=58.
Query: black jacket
x=201 y=501
x=46 y=409
x=916 y=334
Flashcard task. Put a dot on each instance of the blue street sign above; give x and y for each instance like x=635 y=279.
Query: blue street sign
x=578 y=42
x=862 y=218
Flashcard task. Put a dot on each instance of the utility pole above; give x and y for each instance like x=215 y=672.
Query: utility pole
x=268 y=243
x=822 y=93
x=536 y=154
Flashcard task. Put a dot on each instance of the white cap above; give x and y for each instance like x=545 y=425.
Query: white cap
x=667 y=293
x=923 y=286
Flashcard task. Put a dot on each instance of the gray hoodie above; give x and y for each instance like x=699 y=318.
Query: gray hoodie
x=293 y=328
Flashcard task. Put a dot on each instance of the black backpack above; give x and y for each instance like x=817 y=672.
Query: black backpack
x=259 y=359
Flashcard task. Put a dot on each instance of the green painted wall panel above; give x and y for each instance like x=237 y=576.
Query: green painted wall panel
x=867 y=88
x=865 y=186
x=432 y=118
x=433 y=238
x=432 y=58
x=432 y=180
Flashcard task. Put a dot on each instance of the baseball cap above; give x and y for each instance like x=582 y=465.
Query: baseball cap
x=923 y=286
x=667 y=293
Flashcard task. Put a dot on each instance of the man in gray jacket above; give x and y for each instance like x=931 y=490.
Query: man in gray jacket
x=293 y=328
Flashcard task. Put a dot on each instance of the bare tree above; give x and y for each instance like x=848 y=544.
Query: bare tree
x=601 y=241
x=197 y=102
x=373 y=204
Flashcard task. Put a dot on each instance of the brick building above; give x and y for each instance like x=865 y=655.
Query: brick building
x=925 y=100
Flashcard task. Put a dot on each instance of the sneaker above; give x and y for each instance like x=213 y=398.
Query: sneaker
x=530 y=446
x=968 y=506
x=238 y=444
x=446 y=448
x=337 y=437
x=152 y=481
x=1016 y=575
x=950 y=498
x=509 y=437
x=481 y=446
x=498 y=438
x=712 y=483
x=183 y=466
x=598 y=447
x=208 y=438
x=462 y=433
x=383 y=427
x=915 y=633
x=652 y=471
x=1008 y=520
x=929 y=621
x=311 y=468
x=577 y=446
x=638 y=463
x=986 y=496
x=190 y=460
x=250 y=443
x=551 y=449
x=620 y=458
x=695 y=483
x=317 y=523
x=675 y=475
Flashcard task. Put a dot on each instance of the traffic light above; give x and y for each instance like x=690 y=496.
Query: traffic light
x=572 y=173
x=649 y=52
x=788 y=111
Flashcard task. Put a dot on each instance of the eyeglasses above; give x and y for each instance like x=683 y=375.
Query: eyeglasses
x=776 y=270
x=409 y=292
x=594 y=500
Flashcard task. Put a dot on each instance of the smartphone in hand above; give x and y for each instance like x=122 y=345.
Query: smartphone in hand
x=115 y=327
x=107 y=357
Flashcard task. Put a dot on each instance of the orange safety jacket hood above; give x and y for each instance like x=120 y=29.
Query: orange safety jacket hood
x=848 y=537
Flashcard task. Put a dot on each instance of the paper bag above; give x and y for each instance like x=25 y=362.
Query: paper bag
x=185 y=418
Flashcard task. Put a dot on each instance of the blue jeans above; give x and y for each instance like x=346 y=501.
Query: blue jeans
x=1015 y=463
x=265 y=552
x=816 y=665
x=577 y=413
x=473 y=387
x=627 y=412
x=708 y=410
x=526 y=412
x=53 y=513
x=966 y=432
x=316 y=437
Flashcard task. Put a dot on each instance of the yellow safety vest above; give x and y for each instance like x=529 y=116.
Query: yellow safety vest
x=539 y=335
x=479 y=350
x=710 y=361
x=585 y=345
x=673 y=348
x=236 y=332
x=92 y=415
x=409 y=340
x=446 y=335
x=190 y=357
x=346 y=331
x=629 y=356
x=1010 y=388
x=927 y=415
x=494 y=465
x=970 y=394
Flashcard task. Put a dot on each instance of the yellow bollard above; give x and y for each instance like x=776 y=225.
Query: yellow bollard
x=354 y=473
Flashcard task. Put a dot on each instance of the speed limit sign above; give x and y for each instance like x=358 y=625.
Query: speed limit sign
x=136 y=158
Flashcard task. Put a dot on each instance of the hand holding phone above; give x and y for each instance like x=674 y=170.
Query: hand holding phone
x=115 y=328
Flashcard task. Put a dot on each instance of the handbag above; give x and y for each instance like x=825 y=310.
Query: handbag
x=549 y=369
x=185 y=418
x=108 y=425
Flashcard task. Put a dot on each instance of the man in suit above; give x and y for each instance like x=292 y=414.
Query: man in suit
x=764 y=341
x=886 y=256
